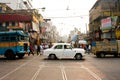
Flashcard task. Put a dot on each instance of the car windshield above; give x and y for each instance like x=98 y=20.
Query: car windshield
x=58 y=47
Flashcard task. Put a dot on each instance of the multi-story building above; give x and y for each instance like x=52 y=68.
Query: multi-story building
x=27 y=20
x=18 y=4
x=49 y=32
x=104 y=19
x=4 y=8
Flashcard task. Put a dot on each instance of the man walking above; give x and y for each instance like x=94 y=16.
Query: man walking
x=38 y=49
x=31 y=50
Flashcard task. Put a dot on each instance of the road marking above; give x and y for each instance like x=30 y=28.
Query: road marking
x=91 y=72
x=63 y=72
x=38 y=71
x=16 y=69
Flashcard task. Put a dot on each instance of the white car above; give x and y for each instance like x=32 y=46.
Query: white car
x=64 y=50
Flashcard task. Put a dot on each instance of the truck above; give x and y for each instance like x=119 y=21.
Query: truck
x=103 y=48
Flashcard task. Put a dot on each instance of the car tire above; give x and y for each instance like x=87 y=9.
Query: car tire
x=78 y=56
x=52 y=56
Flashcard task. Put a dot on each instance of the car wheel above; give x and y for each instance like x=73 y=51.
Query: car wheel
x=78 y=56
x=52 y=56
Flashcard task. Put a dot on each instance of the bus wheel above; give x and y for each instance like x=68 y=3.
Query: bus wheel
x=20 y=56
x=9 y=54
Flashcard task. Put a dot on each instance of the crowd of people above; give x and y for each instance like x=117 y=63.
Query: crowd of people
x=38 y=49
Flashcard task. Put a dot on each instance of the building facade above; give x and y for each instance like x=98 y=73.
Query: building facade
x=18 y=4
x=104 y=19
x=27 y=20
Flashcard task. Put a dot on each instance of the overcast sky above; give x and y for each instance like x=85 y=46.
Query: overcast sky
x=66 y=14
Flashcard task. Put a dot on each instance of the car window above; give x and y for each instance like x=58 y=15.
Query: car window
x=58 y=47
x=67 y=47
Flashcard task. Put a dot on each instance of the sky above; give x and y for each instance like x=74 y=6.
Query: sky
x=66 y=14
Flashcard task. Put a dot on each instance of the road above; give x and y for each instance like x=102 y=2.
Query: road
x=39 y=68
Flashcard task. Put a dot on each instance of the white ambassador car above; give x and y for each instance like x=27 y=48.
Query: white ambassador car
x=64 y=50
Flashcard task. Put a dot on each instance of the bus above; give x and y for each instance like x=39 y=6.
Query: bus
x=14 y=44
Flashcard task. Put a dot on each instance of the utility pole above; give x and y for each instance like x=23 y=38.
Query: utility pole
x=86 y=29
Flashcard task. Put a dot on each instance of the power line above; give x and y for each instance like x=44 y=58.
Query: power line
x=81 y=16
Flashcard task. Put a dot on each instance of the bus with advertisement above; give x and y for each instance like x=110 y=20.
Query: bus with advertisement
x=14 y=44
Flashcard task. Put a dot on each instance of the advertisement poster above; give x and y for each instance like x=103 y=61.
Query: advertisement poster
x=106 y=24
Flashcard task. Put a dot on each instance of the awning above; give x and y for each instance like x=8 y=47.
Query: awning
x=14 y=17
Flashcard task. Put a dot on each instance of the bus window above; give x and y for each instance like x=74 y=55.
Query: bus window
x=12 y=38
x=4 y=38
x=23 y=38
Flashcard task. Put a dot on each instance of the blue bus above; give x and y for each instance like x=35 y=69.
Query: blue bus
x=14 y=44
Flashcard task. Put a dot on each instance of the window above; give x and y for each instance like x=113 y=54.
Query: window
x=13 y=38
x=0 y=24
x=0 y=9
x=13 y=24
x=4 y=38
x=7 y=24
x=58 y=47
x=67 y=47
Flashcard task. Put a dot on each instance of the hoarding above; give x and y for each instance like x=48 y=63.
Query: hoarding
x=106 y=24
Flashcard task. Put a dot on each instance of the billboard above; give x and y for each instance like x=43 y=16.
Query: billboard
x=106 y=24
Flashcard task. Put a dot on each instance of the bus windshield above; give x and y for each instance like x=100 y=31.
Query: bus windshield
x=23 y=38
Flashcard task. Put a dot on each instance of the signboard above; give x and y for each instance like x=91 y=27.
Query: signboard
x=114 y=20
x=35 y=26
x=106 y=23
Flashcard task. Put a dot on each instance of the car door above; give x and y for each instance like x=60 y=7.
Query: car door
x=58 y=50
x=68 y=52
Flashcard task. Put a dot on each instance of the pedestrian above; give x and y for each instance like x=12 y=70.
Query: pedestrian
x=31 y=50
x=35 y=48
x=38 y=49
x=50 y=45
x=41 y=49
x=86 y=48
x=89 y=49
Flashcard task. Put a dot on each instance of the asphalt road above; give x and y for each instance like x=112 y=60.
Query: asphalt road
x=39 y=68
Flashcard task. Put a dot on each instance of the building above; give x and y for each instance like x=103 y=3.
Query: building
x=5 y=8
x=48 y=32
x=18 y=4
x=104 y=19
x=27 y=20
